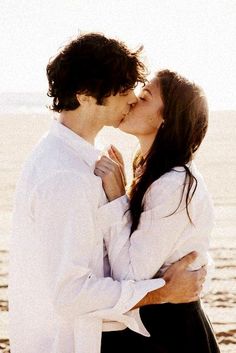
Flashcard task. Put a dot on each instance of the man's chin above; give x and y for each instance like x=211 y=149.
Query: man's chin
x=121 y=127
x=117 y=125
x=120 y=124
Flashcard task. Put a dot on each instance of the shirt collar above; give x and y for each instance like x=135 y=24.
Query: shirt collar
x=85 y=150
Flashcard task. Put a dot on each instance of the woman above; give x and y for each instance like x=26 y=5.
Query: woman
x=170 y=212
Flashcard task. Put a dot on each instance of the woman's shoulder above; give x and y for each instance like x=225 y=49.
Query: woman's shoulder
x=173 y=179
x=177 y=176
x=172 y=182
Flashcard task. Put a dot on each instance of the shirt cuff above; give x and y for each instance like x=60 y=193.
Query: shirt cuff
x=139 y=290
x=131 y=293
x=113 y=212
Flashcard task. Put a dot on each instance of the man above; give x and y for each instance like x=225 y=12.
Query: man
x=59 y=299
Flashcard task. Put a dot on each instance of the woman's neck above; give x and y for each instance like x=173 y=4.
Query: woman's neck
x=145 y=144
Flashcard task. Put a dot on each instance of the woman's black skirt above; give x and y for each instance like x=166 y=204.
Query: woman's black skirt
x=174 y=328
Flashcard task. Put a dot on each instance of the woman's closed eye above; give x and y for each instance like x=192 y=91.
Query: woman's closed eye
x=142 y=98
x=145 y=95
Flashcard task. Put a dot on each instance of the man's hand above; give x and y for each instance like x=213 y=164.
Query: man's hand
x=182 y=286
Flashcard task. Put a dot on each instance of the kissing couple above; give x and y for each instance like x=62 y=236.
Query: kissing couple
x=97 y=265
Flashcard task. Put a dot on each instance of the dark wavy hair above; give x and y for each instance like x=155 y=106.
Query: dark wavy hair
x=185 y=115
x=94 y=65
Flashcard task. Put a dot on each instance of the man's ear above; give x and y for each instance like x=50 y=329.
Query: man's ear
x=85 y=99
x=82 y=98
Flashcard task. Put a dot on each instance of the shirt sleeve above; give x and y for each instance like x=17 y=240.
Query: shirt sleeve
x=159 y=233
x=66 y=230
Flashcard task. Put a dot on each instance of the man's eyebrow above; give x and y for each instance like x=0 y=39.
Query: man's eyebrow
x=146 y=89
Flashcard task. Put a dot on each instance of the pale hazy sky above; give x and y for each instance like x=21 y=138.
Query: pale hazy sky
x=194 y=37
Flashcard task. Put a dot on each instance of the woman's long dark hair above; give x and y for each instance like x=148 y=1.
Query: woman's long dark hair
x=185 y=115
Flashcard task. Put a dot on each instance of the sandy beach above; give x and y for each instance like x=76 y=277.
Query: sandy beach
x=217 y=162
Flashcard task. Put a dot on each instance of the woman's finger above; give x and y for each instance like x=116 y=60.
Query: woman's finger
x=103 y=169
x=118 y=154
x=113 y=156
x=107 y=162
x=120 y=163
x=98 y=172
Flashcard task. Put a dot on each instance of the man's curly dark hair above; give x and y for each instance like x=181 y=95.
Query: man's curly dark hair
x=94 y=65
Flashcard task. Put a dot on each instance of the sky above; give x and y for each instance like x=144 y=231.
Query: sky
x=194 y=37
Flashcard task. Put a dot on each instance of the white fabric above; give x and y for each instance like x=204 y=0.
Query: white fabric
x=58 y=295
x=161 y=238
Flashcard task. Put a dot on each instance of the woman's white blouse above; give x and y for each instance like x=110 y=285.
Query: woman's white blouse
x=161 y=237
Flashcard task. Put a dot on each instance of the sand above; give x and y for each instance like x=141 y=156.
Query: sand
x=217 y=162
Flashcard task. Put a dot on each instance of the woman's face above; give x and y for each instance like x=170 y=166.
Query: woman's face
x=145 y=117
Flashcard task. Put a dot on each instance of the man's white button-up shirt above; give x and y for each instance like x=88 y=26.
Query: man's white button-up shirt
x=59 y=299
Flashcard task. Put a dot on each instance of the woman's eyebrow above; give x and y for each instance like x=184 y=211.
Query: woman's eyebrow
x=146 y=89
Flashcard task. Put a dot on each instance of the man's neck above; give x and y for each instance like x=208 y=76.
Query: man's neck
x=81 y=126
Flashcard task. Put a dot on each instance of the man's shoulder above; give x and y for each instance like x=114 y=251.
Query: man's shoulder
x=50 y=163
x=60 y=186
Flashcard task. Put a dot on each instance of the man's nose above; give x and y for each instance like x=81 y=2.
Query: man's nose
x=132 y=98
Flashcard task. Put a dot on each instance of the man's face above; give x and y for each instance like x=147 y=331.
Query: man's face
x=146 y=117
x=115 y=108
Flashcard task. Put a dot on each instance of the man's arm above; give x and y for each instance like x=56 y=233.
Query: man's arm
x=182 y=285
